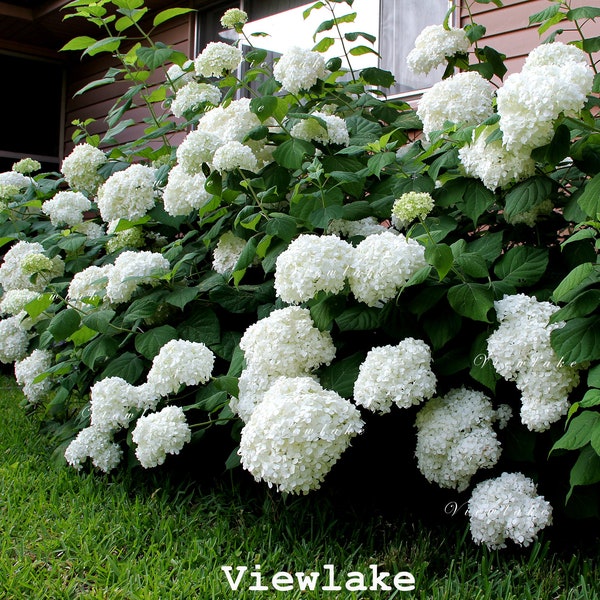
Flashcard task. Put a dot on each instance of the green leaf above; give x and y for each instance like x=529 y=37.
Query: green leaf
x=127 y=366
x=109 y=44
x=589 y=201
x=472 y=264
x=170 y=13
x=154 y=57
x=181 y=296
x=148 y=344
x=573 y=280
x=379 y=161
x=292 y=152
x=482 y=368
x=354 y=35
x=586 y=471
x=378 y=77
x=526 y=195
x=264 y=107
x=283 y=226
x=71 y=242
x=227 y=383
x=472 y=300
x=522 y=266
x=324 y=311
x=361 y=50
x=201 y=326
x=82 y=336
x=99 y=320
x=64 y=323
x=578 y=341
x=590 y=399
x=440 y=256
x=341 y=375
x=442 y=326
x=36 y=307
x=583 y=12
x=323 y=45
x=547 y=13
x=99 y=350
x=79 y=43
x=359 y=318
x=580 y=306
x=476 y=200
x=593 y=377
x=579 y=431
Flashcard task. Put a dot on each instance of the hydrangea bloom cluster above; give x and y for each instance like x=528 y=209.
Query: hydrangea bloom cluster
x=227 y=252
x=132 y=237
x=178 y=77
x=382 y=264
x=234 y=17
x=26 y=166
x=235 y=155
x=411 y=206
x=22 y=261
x=183 y=192
x=93 y=443
x=334 y=132
x=14 y=301
x=80 y=168
x=520 y=351
x=28 y=369
x=132 y=269
x=180 y=362
x=217 y=58
x=194 y=95
x=66 y=208
x=311 y=264
x=507 y=507
x=197 y=148
x=493 y=164
x=299 y=69
x=158 y=434
x=463 y=98
x=555 y=79
x=14 y=179
x=88 y=284
x=433 y=45
x=90 y=229
x=455 y=438
x=127 y=194
x=14 y=339
x=296 y=434
x=361 y=228
x=398 y=375
x=286 y=343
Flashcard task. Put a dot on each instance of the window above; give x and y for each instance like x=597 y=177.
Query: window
x=395 y=23
x=33 y=124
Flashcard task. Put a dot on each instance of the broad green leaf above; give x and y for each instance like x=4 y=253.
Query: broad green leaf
x=36 y=307
x=64 y=323
x=526 y=195
x=307 y=11
x=323 y=45
x=291 y=153
x=593 y=377
x=264 y=107
x=325 y=311
x=181 y=296
x=100 y=320
x=440 y=256
x=586 y=471
x=441 y=327
x=380 y=161
x=579 y=432
x=575 y=278
x=522 y=266
x=472 y=300
x=578 y=341
x=580 y=306
x=472 y=264
x=476 y=200
x=590 y=399
x=127 y=366
x=281 y=225
x=99 y=350
x=589 y=201
x=82 y=336
x=148 y=344
x=482 y=368
x=72 y=242
x=201 y=326
x=361 y=50
x=154 y=57
x=359 y=318
x=378 y=77
x=583 y=12
x=168 y=14
x=547 y=13
x=341 y=375
x=109 y=44
x=79 y=43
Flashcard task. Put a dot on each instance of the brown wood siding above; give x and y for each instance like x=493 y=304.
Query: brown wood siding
x=96 y=102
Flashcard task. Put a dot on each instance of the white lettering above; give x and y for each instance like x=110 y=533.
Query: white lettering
x=283 y=582
x=404 y=581
x=307 y=582
x=331 y=587
x=356 y=582
x=378 y=579
x=257 y=587
x=234 y=584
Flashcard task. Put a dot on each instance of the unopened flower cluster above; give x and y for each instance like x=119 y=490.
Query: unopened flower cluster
x=26 y=166
x=455 y=438
x=398 y=375
x=299 y=69
x=80 y=168
x=433 y=45
x=233 y=17
x=66 y=208
x=520 y=351
x=507 y=507
x=411 y=206
x=297 y=433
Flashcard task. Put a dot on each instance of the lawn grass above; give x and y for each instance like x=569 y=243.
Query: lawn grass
x=136 y=535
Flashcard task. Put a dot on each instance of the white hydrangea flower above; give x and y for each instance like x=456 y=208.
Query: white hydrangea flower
x=520 y=351
x=382 y=264
x=132 y=269
x=433 y=45
x=180 y=362
x=287 y=343
x=12 y=276
x=178 y=77
x=493 y=163
x=507 y=507
x=14 y=339
x=14 y=301
x=111 y=402
x=127 y=194
x=97 y=445
x=66 y=208
x=296 y=434
x=132 y=237
x=198 y=147
x=557 y=79
x=14 y=179
x=232 y=122
x=27 y=166
x=30 y=367
x=158 y=434
x=395 y=374
x=361 y=228
x=90 y=229
x=217 y=58
x=335 y=132
x=253 y=383
x=299 y=69
x=80 y=168
x=455 y=438
x=227 y=252
x=233 y=17
x=184 y=193
x=43 y=267
x=463 y=98
x=311 y=264
x=235 y=155
x=193 y=95
x=410 y=206
x=88 y=284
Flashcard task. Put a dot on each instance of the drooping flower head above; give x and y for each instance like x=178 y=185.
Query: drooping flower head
x=335 y=130
x=98 y=446
x=28 y=369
